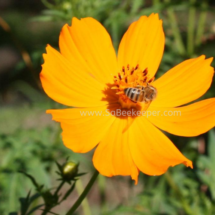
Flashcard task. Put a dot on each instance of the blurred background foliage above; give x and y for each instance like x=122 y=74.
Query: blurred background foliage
x=30 y=141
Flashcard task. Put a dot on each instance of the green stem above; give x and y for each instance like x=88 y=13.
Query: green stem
x=102 y=185
x=175 y=29
x=59 y=187
x=83 y=195
x=85 y=204
x=191 y=27
x=172 y=183
x=179 y=194
x=156 y=5
x=201 y=23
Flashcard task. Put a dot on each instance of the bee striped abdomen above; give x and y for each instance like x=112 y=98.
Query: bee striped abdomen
x=134 y=94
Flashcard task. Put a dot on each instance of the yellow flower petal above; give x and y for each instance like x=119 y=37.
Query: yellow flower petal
x=191 y=120
x=82 y=133
x=143 y=44
x=152 y=152
x=184 y=83
x=112 y=156
x=88 y=43
x=63 y=82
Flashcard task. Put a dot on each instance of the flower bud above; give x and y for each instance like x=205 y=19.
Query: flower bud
x=69 y=170
x=66 y=6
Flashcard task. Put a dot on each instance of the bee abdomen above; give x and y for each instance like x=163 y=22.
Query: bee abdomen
x=134 y=94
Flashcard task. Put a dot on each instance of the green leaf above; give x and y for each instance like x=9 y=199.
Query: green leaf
x=42 y=18
x=37 y=186
x=34 y=209
x=25 y=203
x=136 y=4
x=68 y=192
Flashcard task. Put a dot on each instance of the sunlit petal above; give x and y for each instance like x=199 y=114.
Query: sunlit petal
x=143 y=44
x=88 y=43
x=191 y=120
x=152 y=152
x=184 y=83
x=83 y=128
x=112 y=156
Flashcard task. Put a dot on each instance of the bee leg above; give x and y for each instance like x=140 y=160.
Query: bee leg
x=138 y=86
x=120 y=93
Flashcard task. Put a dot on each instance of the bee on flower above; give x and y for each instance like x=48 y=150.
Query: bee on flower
x=87 y=75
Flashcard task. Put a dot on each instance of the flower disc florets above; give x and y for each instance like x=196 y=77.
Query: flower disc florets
x=133 y=87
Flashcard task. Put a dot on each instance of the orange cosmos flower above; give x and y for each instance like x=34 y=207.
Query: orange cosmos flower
x=111 y=94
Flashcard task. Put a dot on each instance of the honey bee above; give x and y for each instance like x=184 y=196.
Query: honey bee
x=141 y=93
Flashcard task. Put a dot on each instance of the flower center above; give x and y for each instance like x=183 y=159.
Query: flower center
x=133 y=86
